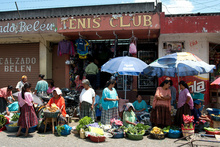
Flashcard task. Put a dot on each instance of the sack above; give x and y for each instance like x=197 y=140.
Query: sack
x=132 y=49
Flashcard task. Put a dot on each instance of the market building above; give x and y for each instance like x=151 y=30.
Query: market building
x=30 y=41
x=198 y=34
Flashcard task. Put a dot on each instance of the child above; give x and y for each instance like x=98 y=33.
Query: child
x=98 y=107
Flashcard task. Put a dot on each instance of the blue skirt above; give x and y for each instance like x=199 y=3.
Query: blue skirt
x=98 y=112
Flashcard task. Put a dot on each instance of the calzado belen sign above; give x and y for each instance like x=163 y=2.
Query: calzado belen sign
x=17 y=64
x=23 y=26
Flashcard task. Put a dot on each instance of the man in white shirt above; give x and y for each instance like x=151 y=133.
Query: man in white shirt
x=21 y=83
x=87 y=100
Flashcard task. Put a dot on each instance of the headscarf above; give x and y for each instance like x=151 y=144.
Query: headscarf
x=59 y=92
x=128 y=105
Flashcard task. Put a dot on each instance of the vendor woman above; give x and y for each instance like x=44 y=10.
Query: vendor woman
x=60 y=102
x=4 y=94
x=161 y=112
x=140 y=106
x=185 y=103
x=109 y=103
x=129 y=117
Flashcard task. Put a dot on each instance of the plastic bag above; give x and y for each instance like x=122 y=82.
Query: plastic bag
x=66 y=131
x=132 y=49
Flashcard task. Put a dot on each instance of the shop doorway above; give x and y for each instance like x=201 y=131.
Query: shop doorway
x=214 y=58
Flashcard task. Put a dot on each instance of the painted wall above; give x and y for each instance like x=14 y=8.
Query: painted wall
x=194 y=43
x=190 y=24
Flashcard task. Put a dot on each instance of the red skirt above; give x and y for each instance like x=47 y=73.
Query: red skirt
x=27 y=117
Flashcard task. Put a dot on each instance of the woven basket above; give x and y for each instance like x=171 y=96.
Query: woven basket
x=97 y=138
x=187 y=132
x=49 y=114
x=158 y=136
x=134 y=137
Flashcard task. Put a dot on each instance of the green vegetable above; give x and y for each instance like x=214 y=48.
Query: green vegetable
x=142 y=127
x=211 y=129
x=15 y=117
x=3 y=120
x=83 y=122
x=191 y=125
x=59 y=129
x=166 y=129
x=135 y=130
x=100 y=124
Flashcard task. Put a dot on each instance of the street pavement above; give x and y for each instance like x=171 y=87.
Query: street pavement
x=48 y=139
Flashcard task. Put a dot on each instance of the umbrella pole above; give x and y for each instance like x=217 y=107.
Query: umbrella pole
x=178 y=79
x=125 y=85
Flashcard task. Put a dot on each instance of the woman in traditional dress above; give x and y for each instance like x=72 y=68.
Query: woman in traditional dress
x=140 y=106
x=109 y=103
x=60 y=103
x=27 y=117
x=161 y=112
x=129 y=117
x=87 y=100
x=4 y=94
x=185 y=103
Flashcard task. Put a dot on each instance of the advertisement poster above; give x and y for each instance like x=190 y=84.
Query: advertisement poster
x=173 y=47
x=196 y=85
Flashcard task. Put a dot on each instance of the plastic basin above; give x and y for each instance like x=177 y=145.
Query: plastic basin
x=11 y=129
x=31 y=129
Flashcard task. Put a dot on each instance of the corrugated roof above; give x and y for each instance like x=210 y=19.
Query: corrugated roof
x=192 y=14
x=81 y=11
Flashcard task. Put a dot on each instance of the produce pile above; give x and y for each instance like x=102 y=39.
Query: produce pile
x=215 y=115
x=156 y=130
x=53 y=108
x=15 y=117
x=139 y=129
x=3 y=121
x=211 y=129
x=60 y=129
x=83 y=122
x=188 y=122
x=13 y=125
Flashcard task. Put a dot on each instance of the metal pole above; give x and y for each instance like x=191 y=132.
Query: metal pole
x=125 y=85
x=18 y=10
x=178 y=78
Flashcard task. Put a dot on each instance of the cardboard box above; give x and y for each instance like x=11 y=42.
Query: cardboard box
x=215 y=124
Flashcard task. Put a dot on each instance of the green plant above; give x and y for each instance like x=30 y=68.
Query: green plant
x=59 y=129
x=3 y=120
x=135 y=130
x=83 y=122
x=15 y=117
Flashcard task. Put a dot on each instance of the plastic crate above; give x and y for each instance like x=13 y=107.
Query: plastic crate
x=198 y=96
x=213 y=111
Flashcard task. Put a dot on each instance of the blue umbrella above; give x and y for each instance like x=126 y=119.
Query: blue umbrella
x=181 y=63
x=124 y=66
